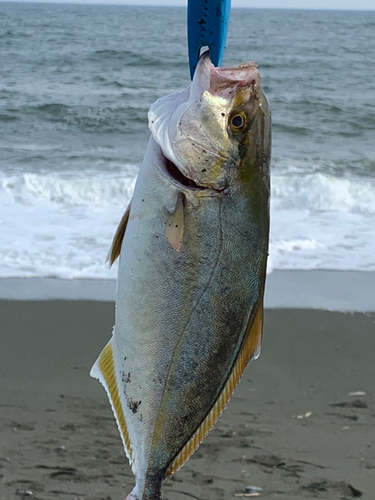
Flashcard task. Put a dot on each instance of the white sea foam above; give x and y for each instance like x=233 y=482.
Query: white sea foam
x=322 y=193
x=322 y=222
x=86 y=191
x=62 y=225
x=59 y=226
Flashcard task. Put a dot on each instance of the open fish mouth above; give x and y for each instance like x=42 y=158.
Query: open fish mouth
x=223 y=80
x=171 y=170
x=244 y=74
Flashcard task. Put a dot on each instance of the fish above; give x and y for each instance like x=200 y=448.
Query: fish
x=192 y=248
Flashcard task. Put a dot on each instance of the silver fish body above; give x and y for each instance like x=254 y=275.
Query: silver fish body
x=194 y=242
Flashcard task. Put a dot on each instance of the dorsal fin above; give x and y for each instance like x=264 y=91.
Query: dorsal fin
x=250 y=349
x=115 y=249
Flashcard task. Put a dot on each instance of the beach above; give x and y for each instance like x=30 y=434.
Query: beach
x=300 y=423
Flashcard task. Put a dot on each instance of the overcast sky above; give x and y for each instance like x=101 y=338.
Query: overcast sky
x=278 y=4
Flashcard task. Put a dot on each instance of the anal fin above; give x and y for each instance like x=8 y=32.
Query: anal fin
x=250 y=349
x=104 y=370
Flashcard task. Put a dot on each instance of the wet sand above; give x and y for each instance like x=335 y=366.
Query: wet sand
x=292 y=428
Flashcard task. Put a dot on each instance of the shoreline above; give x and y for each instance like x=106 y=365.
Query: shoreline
x=340 y=291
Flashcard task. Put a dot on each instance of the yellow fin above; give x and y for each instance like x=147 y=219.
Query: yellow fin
x=106 y=367
x=249 y=349
x=174 y=224
x=115 y=249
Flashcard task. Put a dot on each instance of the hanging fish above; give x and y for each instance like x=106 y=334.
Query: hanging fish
x=193 y=251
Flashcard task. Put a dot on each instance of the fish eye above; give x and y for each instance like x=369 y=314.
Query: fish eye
x=237 y=122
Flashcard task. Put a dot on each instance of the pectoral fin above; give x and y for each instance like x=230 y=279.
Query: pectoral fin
x=250 y=349
x=115 y=249
x=174 y=224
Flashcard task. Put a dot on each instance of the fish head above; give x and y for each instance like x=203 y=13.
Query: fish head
x=215 y=130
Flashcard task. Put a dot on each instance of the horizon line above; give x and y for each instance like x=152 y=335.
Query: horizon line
x=118 y=4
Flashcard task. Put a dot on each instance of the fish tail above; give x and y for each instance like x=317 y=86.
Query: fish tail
x=151 y=489
x=132 y=496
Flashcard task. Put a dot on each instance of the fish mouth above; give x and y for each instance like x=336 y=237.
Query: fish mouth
x=224 y=80
x=243 y=75
x=177 y=177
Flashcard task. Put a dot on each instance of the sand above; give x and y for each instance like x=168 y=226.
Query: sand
x=293 y=427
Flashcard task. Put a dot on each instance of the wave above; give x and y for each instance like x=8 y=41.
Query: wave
x=7 y=118
x=105 y=119
x=290 y=129
x=318 y=193
x=315 y=192
x=85 y=191
x=7 y=34
x=62 y=225
x=310 y=103
x=353 y=169
x=53 y=108
x=125 y=57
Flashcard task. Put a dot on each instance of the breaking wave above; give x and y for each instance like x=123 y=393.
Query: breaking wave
x=67 y=192
x=314 y=193
x=61 y=225
x=318 y=193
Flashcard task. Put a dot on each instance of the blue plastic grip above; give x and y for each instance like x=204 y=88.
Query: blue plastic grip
x=208 y=22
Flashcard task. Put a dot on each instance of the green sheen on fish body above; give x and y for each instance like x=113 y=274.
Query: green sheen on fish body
x=193 y=250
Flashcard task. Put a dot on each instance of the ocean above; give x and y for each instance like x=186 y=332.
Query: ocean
x=76 y=82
